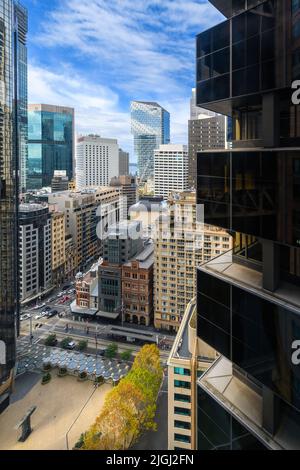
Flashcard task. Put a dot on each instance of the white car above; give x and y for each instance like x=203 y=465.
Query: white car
x=39 y=315
x=26 y=316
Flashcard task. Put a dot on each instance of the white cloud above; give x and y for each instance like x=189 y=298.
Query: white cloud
x=96 y=106
x=133 y=49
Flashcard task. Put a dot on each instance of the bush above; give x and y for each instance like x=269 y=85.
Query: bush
x=64 y=343
x=80 y=442
x=46 y=378
x=51 y=340
x=82 y=376
x=111 y=351
x=126 y=355
x=82 y=345
x=62 y=372
x=99 y=380
x=47 y=367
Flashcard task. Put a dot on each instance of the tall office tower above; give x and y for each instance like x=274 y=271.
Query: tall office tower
x=88 y=214
x=50 y=143
x=128 y=189
x=122 y=243
x=150 y=126
x=123 y=163
x=180 y=246
x=207 y=130
x=58 y=245
x=60 y=181
x=248 y=300
x=9 y=114
x=171 y=169
x=34 y=249
x=21 y=30
x=97 y=161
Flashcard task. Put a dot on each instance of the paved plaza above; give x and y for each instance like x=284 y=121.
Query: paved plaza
x=58 y=405
x=34 y=357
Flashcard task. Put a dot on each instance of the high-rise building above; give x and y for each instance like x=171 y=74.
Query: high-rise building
x=181 y=244
x=60 y=181
x=248 y=300
x=9 y=157
x=150 y=126
x=35 y=263
x=123 y=163
x=137 y=287
x=97 y=161
x=171 y=169
x=50 y=143
x=88 y=213
x=207 y=130
x=58 y=245
x=21 y=30
x=128 y=189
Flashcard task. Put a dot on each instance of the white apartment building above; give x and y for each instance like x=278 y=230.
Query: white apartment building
x=35 y=261
x=171 y=169
x=97 y=161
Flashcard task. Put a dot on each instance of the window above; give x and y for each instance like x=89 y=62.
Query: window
x=181 y=438
x=182 y=424
x=184 y=398
x=181 y=371
x=182 y=411
x=182 y=384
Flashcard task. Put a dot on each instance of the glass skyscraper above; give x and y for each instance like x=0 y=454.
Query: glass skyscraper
x=150 y=126
x=21 y=29
x=248 y=299
x=9 y=144
x=50 y=143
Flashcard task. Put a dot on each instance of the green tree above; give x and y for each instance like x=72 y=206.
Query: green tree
x=126 y=355
x=82 y=345
x=51 y=340
x=65 y=342
x=111 y=351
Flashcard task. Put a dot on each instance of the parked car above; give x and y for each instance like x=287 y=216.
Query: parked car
x=38 y=316
x=26 y=316
x=66 y=287
x=51 y=314
x=47 y=309
x=71 y=345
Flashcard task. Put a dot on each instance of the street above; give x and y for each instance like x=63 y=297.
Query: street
x=63 y=326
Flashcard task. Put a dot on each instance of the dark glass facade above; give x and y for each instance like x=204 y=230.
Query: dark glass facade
x=250 y=311
x=256 y=192
x=8 y=196
x=219 y=430
x=21 y=21
x=50 y=143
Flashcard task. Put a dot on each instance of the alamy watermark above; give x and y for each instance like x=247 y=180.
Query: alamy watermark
x=296 y=93
x=2 y=353
x=159 y=222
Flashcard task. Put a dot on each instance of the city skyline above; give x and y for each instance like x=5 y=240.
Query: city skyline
x=157 y=60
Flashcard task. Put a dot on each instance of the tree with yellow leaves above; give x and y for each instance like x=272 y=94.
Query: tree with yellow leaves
x=130 y=408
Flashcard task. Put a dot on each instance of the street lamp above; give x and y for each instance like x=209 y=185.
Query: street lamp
x=96 y=339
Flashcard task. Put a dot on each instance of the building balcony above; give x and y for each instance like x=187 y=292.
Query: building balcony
x=245 y=403
x=226 y=267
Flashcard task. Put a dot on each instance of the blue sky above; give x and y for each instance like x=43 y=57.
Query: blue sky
x=98 y=55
